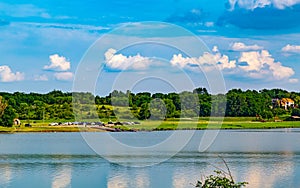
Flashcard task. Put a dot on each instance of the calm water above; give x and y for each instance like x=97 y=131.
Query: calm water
x=264 y=158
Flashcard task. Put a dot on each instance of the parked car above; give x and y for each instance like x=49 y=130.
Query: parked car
x=28 y=125
x=99 y=123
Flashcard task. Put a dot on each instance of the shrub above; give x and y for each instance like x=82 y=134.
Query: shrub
x=221 y=179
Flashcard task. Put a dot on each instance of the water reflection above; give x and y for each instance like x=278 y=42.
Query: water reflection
x=128 y=179
x=182 y=179
x=118 y=182
x=142 y=180
x=259 y=170
x=261 y=162
x=62 y=177
x=269 y=174
x=5 y=175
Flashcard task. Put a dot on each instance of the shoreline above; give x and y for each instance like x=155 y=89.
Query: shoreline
x=213 y=123
x=12 y=130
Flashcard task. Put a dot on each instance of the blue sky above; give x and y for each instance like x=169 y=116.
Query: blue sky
x=255 y=44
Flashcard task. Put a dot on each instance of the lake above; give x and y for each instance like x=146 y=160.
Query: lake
x=264 y=158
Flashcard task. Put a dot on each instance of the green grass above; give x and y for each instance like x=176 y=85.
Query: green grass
x=45 y=128
x=170 y=124
x=214 y=123
x=6 y=129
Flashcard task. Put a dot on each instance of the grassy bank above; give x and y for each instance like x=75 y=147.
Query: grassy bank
x=214 y=123
x=171 y=124
x=37 y=128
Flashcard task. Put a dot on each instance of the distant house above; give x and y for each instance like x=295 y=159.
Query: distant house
x=275 y=101
x=287 y=102
x=283 y=103
x=17 y=122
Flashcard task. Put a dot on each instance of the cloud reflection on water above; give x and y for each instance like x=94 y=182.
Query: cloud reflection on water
x=62 y=177
x=5 y=175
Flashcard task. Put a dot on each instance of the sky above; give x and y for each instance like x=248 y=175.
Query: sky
x=252 y=44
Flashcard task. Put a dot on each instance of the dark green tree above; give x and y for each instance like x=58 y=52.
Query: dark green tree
x=3 y=105
x=158 y=109
x=171 y=109
x=8 y=116
x=296 y=112
x=267 y=114
x=144 y=112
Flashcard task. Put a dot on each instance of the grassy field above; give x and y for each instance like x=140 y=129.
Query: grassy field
x=44 y=127
x=213 y=123
x=171 y=124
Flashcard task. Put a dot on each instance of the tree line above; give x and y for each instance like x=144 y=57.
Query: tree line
x=58 y=105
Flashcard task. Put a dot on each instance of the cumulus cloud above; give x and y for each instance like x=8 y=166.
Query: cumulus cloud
x=253 y=60
x=122 y=62
x=239 y=46
x=249 y=4
x=58 y=63
x=6 y=74
x=260 y=63
x=253 y=4
x=291 y=48
x=205 y=61
x=63 y=76
x=253 y=64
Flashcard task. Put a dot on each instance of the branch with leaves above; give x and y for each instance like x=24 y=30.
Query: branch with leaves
x=221 y=179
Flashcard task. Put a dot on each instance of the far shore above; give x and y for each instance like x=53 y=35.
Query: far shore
x=151 y=125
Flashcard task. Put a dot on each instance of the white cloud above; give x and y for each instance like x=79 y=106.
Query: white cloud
x=41 y=78
x=281 y=4
x=121 y=62
x=253 y=64
x=239 y=46
x=63 y=76
x=180 y=61
x=6 y=75
x=206 y=61
x=253 y=60
x=291 y=48
x=293 y=80
x=253 y=4
x=260 y=63
x=58 y=63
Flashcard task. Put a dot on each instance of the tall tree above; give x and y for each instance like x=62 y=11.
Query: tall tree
x=7 y=117
x=144 y=112
x=3 y=105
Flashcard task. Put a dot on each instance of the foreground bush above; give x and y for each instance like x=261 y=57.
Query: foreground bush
x=219 y=180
